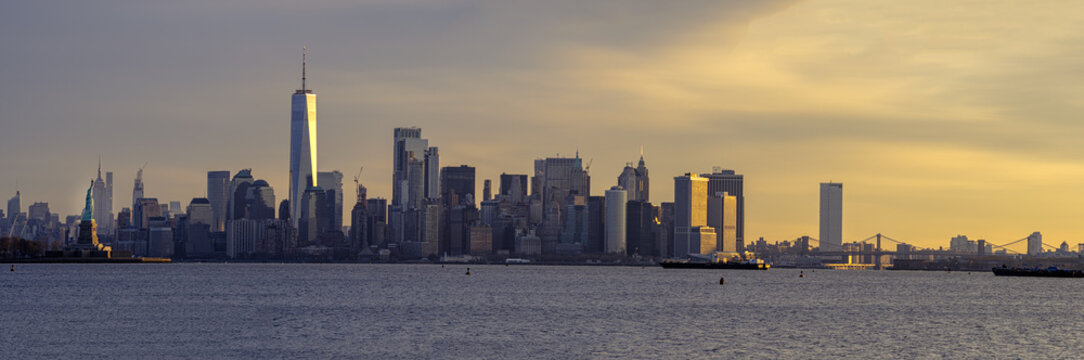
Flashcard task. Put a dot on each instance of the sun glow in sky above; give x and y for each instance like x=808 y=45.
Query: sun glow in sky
x=940 y=118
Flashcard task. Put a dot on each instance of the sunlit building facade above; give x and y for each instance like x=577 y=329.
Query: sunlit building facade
x=302 y=146
x=692 y=235
x=732 y=183
x=723 y=216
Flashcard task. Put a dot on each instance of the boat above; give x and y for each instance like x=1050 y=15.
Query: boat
x=1052 y=271
x=743 y=265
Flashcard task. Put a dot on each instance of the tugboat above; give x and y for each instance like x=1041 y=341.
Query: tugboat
x=1052 y=271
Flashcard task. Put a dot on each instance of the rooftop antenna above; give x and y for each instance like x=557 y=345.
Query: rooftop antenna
x=304 y=53
x=99 y=166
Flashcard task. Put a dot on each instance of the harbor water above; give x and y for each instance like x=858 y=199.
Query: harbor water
x=50 y=311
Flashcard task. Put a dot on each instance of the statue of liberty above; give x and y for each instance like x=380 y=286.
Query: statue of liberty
x=88 y=212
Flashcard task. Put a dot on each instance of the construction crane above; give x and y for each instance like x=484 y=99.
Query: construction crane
x=357 y=183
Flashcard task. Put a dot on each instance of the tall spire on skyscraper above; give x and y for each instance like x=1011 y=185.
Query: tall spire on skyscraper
x=302 y=141
x=304 y=54
x=99 y=166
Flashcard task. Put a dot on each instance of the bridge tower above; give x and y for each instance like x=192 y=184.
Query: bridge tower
x=877 y=254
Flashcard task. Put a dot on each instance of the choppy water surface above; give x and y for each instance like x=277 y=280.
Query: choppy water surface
x=426 y=311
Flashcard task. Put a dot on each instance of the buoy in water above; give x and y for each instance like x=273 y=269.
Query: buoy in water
x=468 y=271
x=801 y=274
x=722 y=280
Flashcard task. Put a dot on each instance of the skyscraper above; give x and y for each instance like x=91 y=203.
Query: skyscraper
x=458 y=180
x=432 y=173
x=640 y=229
x=596 y=225
x=175 y=208
x=332 y=183
x=1035 y=243
x=459 y=209
x=377 y=210
x=557 y=183
x=200 y=212
x=145 y=209
x=260 y=201
x=487 y=190
x=103 y=201
x=38 y=211
x=616 y=221
x=514 y=188
x=414 y=181
x=15 y=206
x=690 y=201
x=733 y=184
x=314 y=220
x=635 y=181
x=692 y=235
x=359 y=225
x=722 y=215
x=831 y=234
x=137 y=191
x=237 y=204
x=197 y=241
x=302 y=144
x=407 y=141
x=218 y=189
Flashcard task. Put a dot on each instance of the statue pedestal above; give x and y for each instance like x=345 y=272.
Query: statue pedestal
x=87 y=244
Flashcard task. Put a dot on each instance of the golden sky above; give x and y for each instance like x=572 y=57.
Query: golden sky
x=940 y=118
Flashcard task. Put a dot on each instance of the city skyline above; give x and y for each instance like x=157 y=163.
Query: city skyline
x=913 y=167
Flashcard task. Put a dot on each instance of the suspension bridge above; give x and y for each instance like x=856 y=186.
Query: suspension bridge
x=876 y=252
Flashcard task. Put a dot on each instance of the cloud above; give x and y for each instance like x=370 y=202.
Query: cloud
x=928 y=111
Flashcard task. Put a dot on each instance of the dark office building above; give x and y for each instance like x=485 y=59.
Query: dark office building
x=315 y=217
x=284 y=210
x=514 y=187
x=456 y=228
x=377 y=222
x=455 y=184
x=260 y=199
x=359 y=225
x=596 y=225
x=664 y=233
x=640 y=229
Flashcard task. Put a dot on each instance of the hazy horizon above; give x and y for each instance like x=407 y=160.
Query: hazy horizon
x=938 y=118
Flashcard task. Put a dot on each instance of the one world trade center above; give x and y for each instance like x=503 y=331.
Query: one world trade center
x=302 y=144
